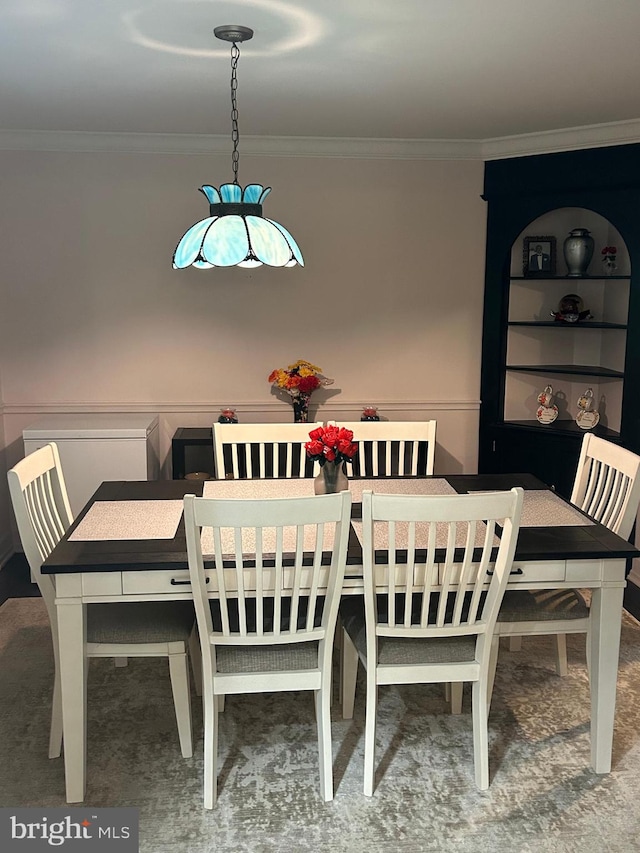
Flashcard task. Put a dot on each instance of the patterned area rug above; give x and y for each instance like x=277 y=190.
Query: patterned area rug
x=543 y=795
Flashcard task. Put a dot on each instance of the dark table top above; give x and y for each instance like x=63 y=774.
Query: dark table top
x=593 y=541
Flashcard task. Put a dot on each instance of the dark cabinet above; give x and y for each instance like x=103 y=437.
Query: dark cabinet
x=553 y=460
x=192 y=453
x=523 y=348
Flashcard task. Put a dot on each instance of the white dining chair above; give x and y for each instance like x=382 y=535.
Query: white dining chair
x=607 y=488
x=426 y=617
x=280 y=638
x=120 y=631
x=387 y=448
x=262 y=450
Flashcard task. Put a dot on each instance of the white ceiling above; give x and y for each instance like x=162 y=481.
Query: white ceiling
x=396 y=69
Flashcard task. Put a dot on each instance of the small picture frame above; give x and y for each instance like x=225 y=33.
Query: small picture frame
x=539 y=257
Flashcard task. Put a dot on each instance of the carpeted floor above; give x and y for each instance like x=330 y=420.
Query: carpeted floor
x=543 y=796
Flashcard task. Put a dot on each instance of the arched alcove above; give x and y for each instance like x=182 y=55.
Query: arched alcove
x=571 y=357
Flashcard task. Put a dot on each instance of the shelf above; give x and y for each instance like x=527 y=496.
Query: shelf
x=192 y=451
x=558 y=324
x=570 y=278
x=560 y=427
x=571 y=369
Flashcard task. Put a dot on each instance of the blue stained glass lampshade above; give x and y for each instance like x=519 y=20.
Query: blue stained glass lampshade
x=236 y=233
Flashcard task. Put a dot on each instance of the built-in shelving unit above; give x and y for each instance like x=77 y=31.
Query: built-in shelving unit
x=524 y=347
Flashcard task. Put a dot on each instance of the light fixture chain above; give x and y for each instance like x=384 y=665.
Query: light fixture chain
x=235 y=133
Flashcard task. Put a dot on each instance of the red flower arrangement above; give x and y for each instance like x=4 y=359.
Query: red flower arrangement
x=331 y=444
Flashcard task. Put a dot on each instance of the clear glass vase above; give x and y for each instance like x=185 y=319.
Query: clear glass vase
x=370 y=413
x=227 y=416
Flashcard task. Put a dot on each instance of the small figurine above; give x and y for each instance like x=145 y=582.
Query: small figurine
x=227 y=416
x=609 y=259
x=571 y=310
x=547 y=412
x=587 y=417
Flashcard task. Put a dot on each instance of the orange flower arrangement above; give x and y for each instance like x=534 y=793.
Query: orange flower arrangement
x=299 y=380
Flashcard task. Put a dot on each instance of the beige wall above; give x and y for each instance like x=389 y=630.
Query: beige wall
x=95 y=319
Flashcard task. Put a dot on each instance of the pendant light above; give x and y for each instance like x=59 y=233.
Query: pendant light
x=236 y=233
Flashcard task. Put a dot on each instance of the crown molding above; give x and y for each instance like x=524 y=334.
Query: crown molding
x=363 y=149
x=566 y=139
x=259 y=146
x=498 y=148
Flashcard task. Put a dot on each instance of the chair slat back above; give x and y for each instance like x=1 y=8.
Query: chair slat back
x=607 y=485
x=388 y=448
x=290 y=553
x=444 y=577
x=43 y=513
x=262 y=450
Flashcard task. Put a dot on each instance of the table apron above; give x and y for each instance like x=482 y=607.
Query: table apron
x=93 y=587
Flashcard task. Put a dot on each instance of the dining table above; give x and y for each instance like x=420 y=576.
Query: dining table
x=128 y=544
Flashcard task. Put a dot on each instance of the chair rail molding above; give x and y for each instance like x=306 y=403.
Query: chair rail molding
x=213 y=407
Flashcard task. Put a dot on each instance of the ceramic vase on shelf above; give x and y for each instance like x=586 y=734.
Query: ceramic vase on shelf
x=300 y=409
x=578 y=251
x=330 y=479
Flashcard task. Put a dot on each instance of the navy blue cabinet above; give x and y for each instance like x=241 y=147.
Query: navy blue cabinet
x=523 y=348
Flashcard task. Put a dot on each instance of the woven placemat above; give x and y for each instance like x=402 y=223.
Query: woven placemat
x=544 y=509
x=258 y=489
x=411 y=486
x=111 y=520
x=381 y=541
x=268 y=540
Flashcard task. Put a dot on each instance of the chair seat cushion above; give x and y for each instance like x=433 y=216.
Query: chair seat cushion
x=539 y=605
x=140 y=622
x=410 y=650
x=276 y=658
x=269 y=658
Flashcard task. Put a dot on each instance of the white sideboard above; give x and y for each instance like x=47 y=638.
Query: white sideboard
x=98 y=447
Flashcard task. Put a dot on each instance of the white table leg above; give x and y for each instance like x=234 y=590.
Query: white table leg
x=73 y=681
x=606 y=618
